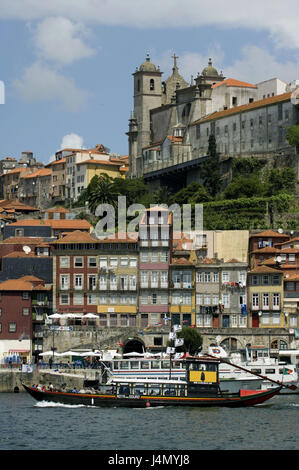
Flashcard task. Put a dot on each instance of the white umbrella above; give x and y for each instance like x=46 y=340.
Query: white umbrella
x=55 y=315
x=90 y=315
x=68 y=353
x=133 y=354
x=49 y=353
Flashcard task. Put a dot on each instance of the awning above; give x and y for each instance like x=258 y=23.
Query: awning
x=19 y=350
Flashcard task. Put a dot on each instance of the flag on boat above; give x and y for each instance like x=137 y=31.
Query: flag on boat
x=179 y=342
x=170 y=350
x=179 y=356
x=177 y=328
x=287 y=371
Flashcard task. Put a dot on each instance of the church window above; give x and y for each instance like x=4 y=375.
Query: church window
x=234 y=126
x=250 y=100
x=138 y=85
x=152 y=84
x=235 y=100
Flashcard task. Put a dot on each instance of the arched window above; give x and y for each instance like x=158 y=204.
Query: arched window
x=152 y=84
x=138 y=85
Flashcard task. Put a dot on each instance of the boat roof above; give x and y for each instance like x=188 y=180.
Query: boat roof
x=143 y=381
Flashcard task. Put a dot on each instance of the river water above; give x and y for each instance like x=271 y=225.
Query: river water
x=29 y=425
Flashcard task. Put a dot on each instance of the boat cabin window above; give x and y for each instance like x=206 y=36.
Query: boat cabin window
x=169 y=391
x=270 y=371
x=107 y=390
x=124 y=364
x=124 y=389
x=115 y=365
x=140 y=390
x=145 y=365
x=165 y=364
x=155 y=364
x=135 y=365
x=182 y=389
x=256 y=371
x=203 y=366
x=177 y=364
x=154 y=389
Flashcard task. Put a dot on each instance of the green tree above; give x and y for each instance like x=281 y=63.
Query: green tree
x=210 y=169
x=280 y=180
x=243 y=186
x=292 y=135
x=101 y=191
x=185 y=195
x=192 y=340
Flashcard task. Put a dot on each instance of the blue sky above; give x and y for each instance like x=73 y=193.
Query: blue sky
x=67 y=64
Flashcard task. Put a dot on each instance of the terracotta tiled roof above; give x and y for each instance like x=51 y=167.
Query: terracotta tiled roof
x=38 y=173
x=55 y=224
x=267 y=249
x=57 y=209
x=232 y=82
x=77 y=236
x=56 y=162
x=99 y=162
x=23 y=240
x=182 y=261
x=269 y=233
x=16 y=170
x=207 y=261
x=291 y=240
x=291 y=277
x=175 y=139
x=244 y=108
x=26 y=283
x=264 y=269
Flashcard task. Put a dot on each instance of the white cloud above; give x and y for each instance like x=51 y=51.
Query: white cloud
x=59 y=39
x=277 y=17
x=258 y=64
x=72 y=140
x=43 y=83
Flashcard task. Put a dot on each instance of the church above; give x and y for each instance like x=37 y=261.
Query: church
x=172 y=120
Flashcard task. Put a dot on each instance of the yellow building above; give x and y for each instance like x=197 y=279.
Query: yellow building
x=266 y=298
x=86 y=170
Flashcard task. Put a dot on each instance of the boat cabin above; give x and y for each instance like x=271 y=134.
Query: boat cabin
x=201 y=379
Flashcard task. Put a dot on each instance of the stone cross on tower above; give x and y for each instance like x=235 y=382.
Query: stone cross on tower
x=174 y=57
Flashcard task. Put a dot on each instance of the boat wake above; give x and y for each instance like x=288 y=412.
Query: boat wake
x=48 y=404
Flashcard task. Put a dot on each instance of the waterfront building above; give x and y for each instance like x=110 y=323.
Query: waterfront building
x=266 y=298
x=24 y=305
x=96 y=276
x=291 y=300
x=155 y=242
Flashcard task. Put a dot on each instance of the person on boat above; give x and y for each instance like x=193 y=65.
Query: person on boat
x=74 y=390
x=51 y=387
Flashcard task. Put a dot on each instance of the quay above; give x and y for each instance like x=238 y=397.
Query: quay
x=11 y=379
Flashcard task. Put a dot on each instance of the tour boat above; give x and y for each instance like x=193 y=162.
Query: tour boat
x=201 y=389
x=256 y=360
x=147 y=366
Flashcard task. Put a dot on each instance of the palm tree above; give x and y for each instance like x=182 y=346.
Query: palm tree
x=102 y=192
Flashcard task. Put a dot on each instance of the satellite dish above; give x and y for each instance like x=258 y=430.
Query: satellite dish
x=278 y=259
x=280 y=230
x=27 y=249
